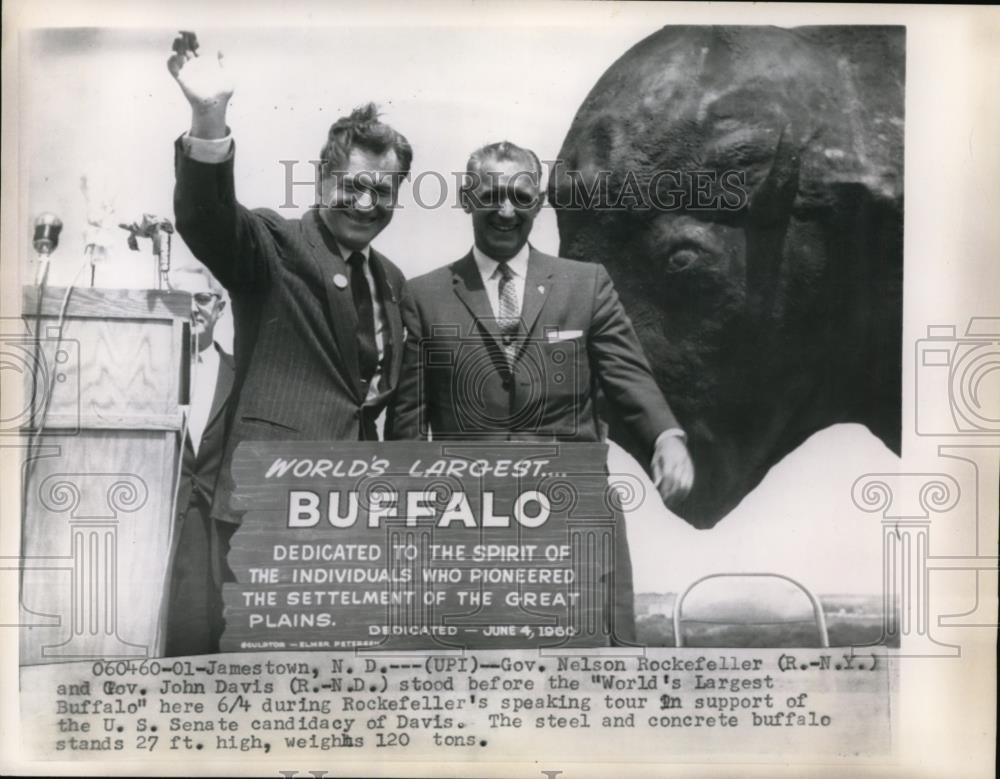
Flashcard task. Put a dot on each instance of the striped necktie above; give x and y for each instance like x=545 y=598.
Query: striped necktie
x=509 y=313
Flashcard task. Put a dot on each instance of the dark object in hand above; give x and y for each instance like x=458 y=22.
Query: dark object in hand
x=187 y=41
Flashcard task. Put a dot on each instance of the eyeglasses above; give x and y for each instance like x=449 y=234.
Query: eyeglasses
x=205 y=298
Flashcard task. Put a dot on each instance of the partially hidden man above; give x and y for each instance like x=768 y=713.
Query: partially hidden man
x=483 y=335
x=318 y=333
x=194 y=598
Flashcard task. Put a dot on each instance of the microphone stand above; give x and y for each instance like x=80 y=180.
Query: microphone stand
x=42 y=270
x=88 y=250
x=154 y=228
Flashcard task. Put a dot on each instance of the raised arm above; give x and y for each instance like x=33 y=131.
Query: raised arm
x=230 y=240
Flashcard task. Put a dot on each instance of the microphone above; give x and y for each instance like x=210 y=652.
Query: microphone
x=155 y=228
x=46 y=238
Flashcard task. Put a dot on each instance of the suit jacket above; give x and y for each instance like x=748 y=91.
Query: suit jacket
x=200 y=472
x=574 y=338
x=295 y=342
x=194 y=606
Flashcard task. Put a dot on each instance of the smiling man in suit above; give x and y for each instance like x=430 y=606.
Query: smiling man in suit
x=511 y=344
x=318 y=334
x=194 y=610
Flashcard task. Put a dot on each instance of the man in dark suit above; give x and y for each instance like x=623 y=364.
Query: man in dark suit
x=318 y=334
x=509 y=343
x=194 y=602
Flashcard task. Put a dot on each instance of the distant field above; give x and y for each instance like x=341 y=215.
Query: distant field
x=851 y=620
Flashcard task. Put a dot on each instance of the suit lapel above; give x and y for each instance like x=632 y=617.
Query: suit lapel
x=340 y=306
x=390 y=305
x=223 y=386
x=537 y=288
x=468 y=285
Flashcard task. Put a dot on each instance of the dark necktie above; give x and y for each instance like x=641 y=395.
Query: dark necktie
x=362 y=294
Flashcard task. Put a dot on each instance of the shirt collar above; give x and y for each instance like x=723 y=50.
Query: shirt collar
x=345 y=252
x=209 y=353
x=518 y=264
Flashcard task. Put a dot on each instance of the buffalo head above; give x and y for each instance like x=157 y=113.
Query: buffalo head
x=743 y=187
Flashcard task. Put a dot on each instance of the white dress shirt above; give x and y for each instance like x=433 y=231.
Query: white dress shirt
x=205 y=375
x=489 y=270
x=217 y=150
x=210 y=150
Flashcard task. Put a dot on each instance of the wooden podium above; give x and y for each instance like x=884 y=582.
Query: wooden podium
x=98 y=490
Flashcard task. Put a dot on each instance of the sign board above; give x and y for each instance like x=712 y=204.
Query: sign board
x=427 y=545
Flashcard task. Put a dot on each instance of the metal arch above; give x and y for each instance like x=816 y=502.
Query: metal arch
x=824 y=637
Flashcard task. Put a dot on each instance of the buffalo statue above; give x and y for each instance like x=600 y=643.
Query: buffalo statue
x=744 y=188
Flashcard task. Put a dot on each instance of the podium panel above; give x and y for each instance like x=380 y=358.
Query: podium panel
x=99 y=481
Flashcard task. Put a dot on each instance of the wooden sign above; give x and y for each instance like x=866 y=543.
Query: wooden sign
x=423 y=545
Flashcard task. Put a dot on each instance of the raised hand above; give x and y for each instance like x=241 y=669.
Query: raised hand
x=205 y=83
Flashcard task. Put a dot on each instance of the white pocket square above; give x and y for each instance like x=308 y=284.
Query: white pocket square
x=563 y=335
